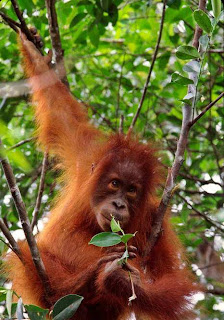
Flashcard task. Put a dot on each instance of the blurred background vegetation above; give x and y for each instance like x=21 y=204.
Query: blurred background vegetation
x=108 y=47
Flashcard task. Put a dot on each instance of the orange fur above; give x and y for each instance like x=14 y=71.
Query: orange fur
x=72 y=264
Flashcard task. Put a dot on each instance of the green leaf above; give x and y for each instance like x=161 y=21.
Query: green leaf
x=26 y=5
x=203 y=20
x=174 y=4
x=216 y=8
x=124 y=257
x=115 y=225
x=179 y=79
x=163 y=60
x=9 y=302
x=3 y=290
x=204 y=40
x=36 y=313
x=127 y=237
x=77 y=19
x=94 y=35
x=192 y=66
x=187 y=52
x=105 y=239
x=66 y=307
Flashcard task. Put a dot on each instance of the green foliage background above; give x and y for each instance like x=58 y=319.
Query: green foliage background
x=108 y=47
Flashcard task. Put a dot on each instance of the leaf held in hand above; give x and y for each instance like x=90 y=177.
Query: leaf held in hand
x=115 y=225
x=105 y=239
x=125 y=238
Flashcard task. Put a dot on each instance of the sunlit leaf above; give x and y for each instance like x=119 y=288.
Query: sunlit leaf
x=216 y=7
x=9 y=295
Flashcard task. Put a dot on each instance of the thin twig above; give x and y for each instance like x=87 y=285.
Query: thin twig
x=178 y=160
x=203 y=215
x=107 y=121
x=150 y=70
x=21 y=210
x=23 y=25
x=206 y=109
x=21 y=143
x=13 y=244
x=211 y=265
x=56 y=40
x=10 y=21
x=203 y=192
x=40 y=191
x=198 y=180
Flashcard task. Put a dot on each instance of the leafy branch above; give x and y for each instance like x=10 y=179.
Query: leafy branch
x=184 y=53
x=107 y=239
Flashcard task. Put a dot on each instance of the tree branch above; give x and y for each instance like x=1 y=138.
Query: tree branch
x=21 y=210
x=12 y=23
x=56 y=40
x=203 y=192
x=121 y=125
x=196 y=179
x=178 y=160
x=21 y=143
x=206 y=109
x=150 y=70
x=40 y=191
x=13 y=244
x=119 y=88
x=23 y=25
x=107 y=121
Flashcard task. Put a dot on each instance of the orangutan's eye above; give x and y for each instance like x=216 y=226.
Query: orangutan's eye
x=114 y=184
x=132 y=191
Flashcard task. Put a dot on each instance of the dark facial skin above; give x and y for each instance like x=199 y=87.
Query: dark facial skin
x=118 y=193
